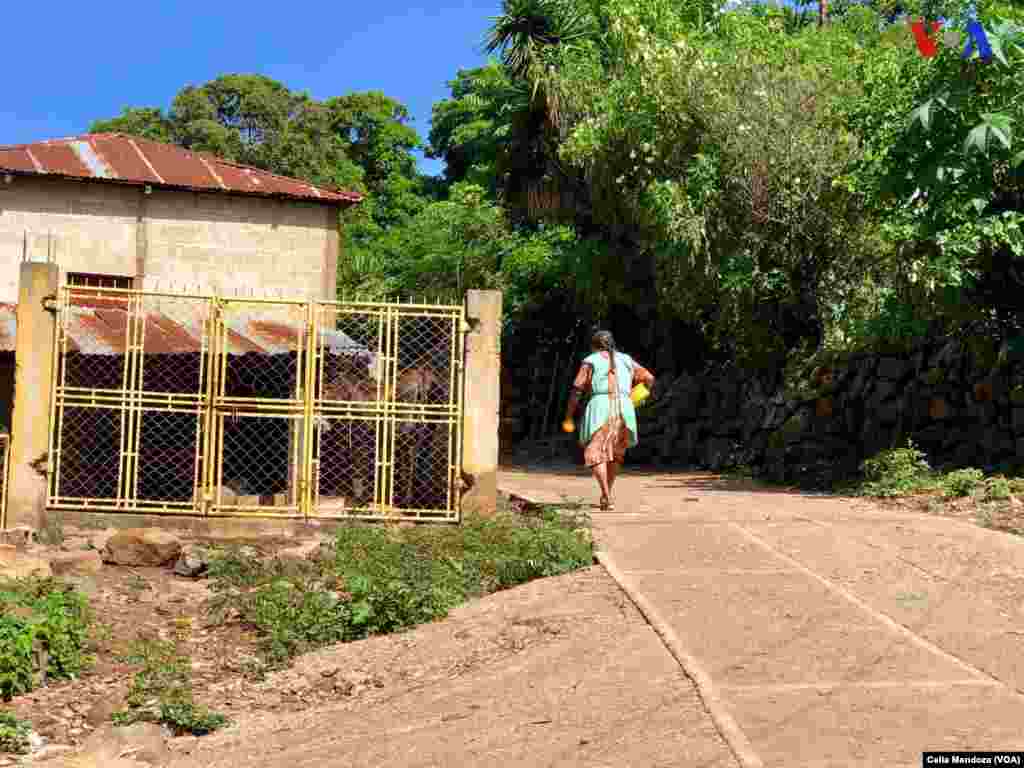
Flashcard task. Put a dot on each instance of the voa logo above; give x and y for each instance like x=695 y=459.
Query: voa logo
x=928 y=45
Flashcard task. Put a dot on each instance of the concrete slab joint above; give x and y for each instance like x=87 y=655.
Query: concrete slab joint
x=481 y=401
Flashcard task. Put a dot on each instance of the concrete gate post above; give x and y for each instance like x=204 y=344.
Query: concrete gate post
x=30 y=421
x=481 y=401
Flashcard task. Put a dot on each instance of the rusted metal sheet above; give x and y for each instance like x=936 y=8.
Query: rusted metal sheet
x=164 y=336
x=16 y=160
x=135 y=161
x=60 y=159
x=99 y=326
x=126 y=157
x=104 y=331
x=274 y=336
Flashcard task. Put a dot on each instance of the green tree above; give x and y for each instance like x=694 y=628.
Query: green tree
x=471 y=130
x=147 y=122
x=360 y=141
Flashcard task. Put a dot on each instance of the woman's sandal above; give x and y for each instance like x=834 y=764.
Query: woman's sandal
x=607 y=505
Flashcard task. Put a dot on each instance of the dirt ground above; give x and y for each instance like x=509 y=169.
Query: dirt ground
x=558 y=672
x=836 y=631
x=562 y=671
x=131 y=604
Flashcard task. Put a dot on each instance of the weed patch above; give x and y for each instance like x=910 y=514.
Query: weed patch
x=962 y=482
x=14 y=734
x=997 y=489
x=897 y=472
x=161 y=691
x=43 y=633
x=375 y=580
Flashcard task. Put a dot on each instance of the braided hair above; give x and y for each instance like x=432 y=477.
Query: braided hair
x=603 y=341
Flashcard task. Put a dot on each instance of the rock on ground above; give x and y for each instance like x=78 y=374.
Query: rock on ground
x=132 y=746
x=192 y=562
x=81 y=563
x=20 y=536
x=20 y=565
x=141 y=547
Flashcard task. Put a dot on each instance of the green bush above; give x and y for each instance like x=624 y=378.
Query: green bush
x=997 y=489
x=896 y=472
x=43 y=630
x=188 y=717
x=13 y=734
x=375 y=580
x=962 y=482
x=161 y=691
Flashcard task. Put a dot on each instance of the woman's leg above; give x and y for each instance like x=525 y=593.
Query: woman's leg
x=601 y=475
x=613 y=472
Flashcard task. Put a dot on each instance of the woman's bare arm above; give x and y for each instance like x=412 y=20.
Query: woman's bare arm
x=642 y=376
x=580 y=386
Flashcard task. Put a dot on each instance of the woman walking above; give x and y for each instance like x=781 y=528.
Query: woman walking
x=609 y=422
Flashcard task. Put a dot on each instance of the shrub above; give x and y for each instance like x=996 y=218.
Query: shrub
x=43 y=633
x=14 y=734
x=962 y=482
x=161 y=691
x=375 y=580
x=896 y=472
x=997 y=489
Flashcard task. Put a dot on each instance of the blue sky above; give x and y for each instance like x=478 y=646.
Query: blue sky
x=66 y=64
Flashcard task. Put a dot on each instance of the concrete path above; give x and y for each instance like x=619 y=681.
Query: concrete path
x=833 y=633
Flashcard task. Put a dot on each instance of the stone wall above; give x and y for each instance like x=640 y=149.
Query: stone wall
x=961 y=403
x=169 y=240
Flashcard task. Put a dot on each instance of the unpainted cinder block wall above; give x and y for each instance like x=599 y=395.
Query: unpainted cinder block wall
x=169 y=239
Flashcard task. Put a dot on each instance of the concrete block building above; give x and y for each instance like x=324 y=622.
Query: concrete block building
x=119 y=211
x=161 y=400
x=136 y=213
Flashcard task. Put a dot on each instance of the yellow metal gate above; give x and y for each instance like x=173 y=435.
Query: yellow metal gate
x=203 y=405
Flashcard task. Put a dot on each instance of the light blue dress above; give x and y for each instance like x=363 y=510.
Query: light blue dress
x=600 y=406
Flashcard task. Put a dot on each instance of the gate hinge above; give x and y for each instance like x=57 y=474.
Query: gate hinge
x=50 y=303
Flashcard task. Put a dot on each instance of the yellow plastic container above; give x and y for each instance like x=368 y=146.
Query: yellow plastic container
x=639 y=394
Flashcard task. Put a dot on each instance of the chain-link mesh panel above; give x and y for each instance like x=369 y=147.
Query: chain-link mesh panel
x=174 y=342
x=348 y=409
x=170 y=403
x=424 y=357
x=261 y=406
x=260 y=463
x=346 y=461
x=386 y=411
x=265 y=346
x=90 y=453
x=168 y=456
x=95 y=339
x=422 y=459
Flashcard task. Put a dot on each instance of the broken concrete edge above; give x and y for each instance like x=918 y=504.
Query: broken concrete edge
x=226 y=528
x=724 y=722
x=528 y=504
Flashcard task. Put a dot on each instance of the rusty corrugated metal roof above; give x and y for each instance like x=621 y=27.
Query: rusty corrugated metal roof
x=99 y=325
x=115 y=157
